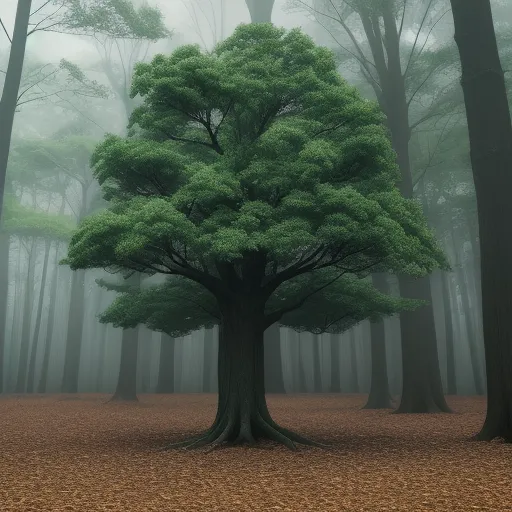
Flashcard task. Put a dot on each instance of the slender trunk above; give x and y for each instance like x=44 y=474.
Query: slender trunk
x=5 y=246
x=242 y=414
x=17 y=315
x=126 y=388
x=74 y=333
x=302 y=386
x=207 y=360
x=41 y=388
x=21 y=378
x=317 y=369
x=165 y=382
x=451 y=382
x=260 y=10
x=354 y=375
x=101 y=358
x=274 y=382
x=37 y=328
x=379 y=397
x=11 y=88
x=490 y=135
x=335 y=386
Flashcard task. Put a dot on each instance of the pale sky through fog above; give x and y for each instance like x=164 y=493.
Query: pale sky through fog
x=52 y=46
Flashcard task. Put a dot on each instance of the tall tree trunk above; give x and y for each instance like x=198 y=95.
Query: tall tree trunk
x=11 y=88
x=451 y=382
x=470 y=326
x=207 y=360
x=260 y=10
x=41 y=388
x=126 y=388
x=37 y=328
x=242 y=414
x=317 y=368
x=103 y=328
x=490 y=135
x=21 y=378
x=274 y=382
x=74 y=333
x=5 y=245
x=354 y=374
x=335 y=386
x=379 y=397
x=302 y=386
x=165 y=383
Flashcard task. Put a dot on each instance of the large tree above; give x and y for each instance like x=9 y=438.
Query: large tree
x=257 y=171
x=490 y=135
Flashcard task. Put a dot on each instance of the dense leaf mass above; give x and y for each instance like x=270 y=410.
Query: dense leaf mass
x=257 y=164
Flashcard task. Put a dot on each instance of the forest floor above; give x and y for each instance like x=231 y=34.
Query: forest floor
x=78 y=453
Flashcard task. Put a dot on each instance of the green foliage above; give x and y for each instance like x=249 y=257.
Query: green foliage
x=294 y=173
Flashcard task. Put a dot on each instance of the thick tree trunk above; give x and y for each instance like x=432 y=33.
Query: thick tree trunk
x=41 y=388
x=335 y=386
x=165 y=383
x=74 y=333
x=260 y=10
x=490 y=134
x=5 y=246
x=379 y=397
x=126 y=388
x=274 y=382
x=37 y=328
x=242 y=414
x=28 y=300
x=451 y=382
x=11 y=88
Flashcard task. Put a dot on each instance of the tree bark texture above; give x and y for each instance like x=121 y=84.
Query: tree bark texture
x=379 y=396
x=274 y=381
x=490 y=135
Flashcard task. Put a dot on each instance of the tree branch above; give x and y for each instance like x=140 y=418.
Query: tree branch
x=5 y=30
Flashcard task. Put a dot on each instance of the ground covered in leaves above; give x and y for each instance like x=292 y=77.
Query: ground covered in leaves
x=78 y=453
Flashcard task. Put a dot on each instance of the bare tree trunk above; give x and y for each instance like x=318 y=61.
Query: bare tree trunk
x=490 y=135
x=5 y=245
x=260 y=10
x=37 y=328
x=274 y=382
x=165 y=382
x=335 y=386
x=451 y=382
x=207 y=360
x=11 y=88
x=354 y=374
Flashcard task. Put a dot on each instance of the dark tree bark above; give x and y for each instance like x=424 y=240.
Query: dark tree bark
x=207 y=360
x=5 y=245
x=317 y=369
x=242 y=414
x=28 y=300
x=11 y=88
x=37 y=328
x=165 y=383
x=379 y=397
x=126 y=381
x=74 y=333
x=451 y=382
x=490 y=135
x=274 y=382
x=41 y=388
x=335 y=386
x=260 y=10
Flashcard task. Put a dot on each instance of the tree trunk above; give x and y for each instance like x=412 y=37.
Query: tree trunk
x=74 y=333
x=41 y=388
x=5 y=245
x=274 y=382
x=165 y=383
x=490 y=135
x=207 y=360
x=242 y=414
x=317 y=368
x=335 y=386
x=28 y=300
x=260 y=10
x=451 y=382
x=302 y=385
x=379 y=397
x=126 y=388
x=101 y=358
x=37 y=328
x=11 y=88
x=354 y=375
